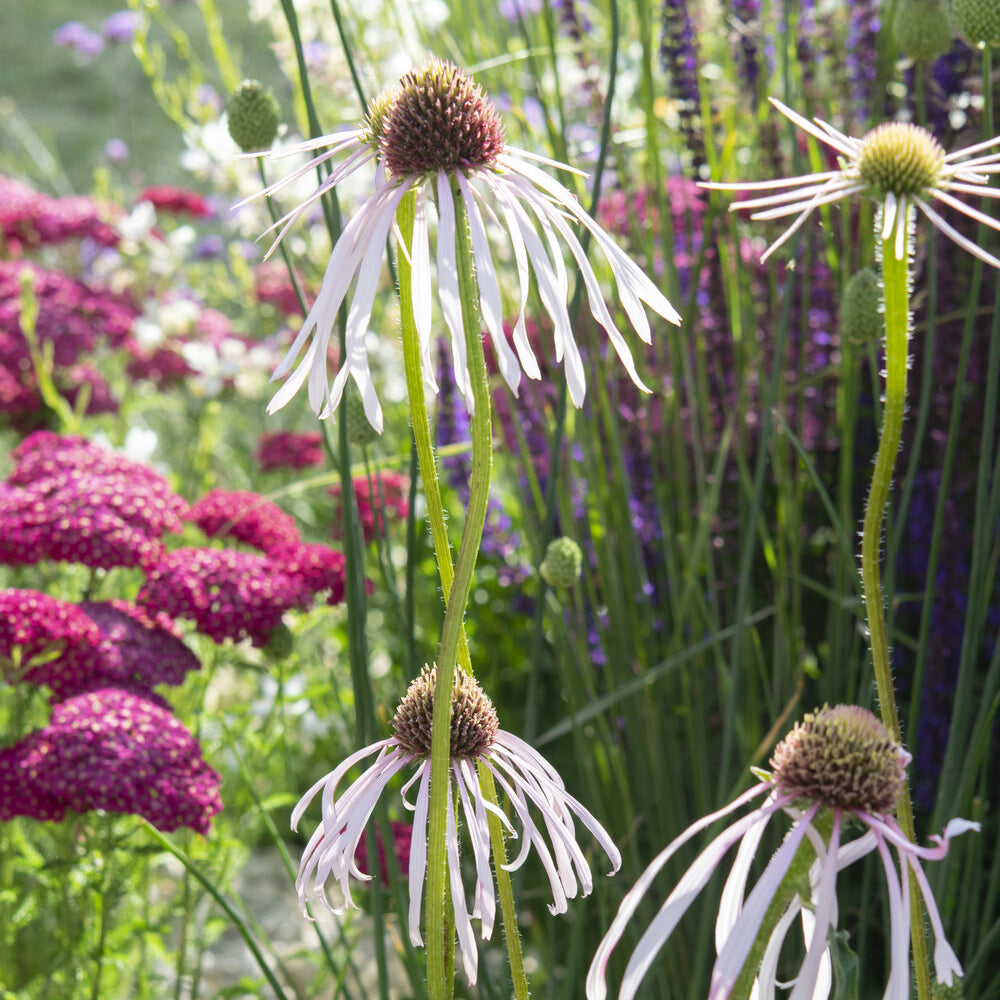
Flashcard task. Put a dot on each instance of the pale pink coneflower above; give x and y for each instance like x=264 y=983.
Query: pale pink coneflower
x=532 y=787
x=899 y=164
x=838 y=764
x=436 y=134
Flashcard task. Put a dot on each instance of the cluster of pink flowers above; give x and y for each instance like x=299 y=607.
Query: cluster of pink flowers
x=246 y=517
x=111 y=742
x=274 y=287
x=177 y=200
x=75 y=322
x=113 y=750
x=385 y=493
x=29 y=218
x=68 y=500
x=289 y=450
x=226 y=593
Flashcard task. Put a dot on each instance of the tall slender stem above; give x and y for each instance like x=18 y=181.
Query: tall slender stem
x=440 y=962
x=896 y=292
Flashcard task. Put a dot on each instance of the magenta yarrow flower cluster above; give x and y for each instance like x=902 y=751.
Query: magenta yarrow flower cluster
x=530 y=784
x=385 y=493
x=289 y=450
x=68 y=500
x=35 y=628
x=74 y=322
x=840 y=763
x=29 y=218
x=111 y=750
x=226 y=593
x=246 y=517
x=436 y=134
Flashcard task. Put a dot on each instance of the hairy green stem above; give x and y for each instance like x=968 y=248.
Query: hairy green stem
x=454 y=645
x=896 y=292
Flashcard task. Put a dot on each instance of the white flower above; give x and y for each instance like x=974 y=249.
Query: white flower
x=530 y=784
x=900 y=165
x=437 y=135
x=840 y=760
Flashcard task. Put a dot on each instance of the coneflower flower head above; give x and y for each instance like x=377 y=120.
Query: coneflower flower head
x=837 y=762
x=530 y=784
x=436 y=134
x=899 y=165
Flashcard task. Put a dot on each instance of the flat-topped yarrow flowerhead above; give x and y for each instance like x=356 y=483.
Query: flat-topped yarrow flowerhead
x=837 y=763
x=898 y=164
x=435 y=133
x=533 y=789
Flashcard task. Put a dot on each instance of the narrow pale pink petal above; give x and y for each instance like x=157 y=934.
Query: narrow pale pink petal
x=478 y=829
x=733 y=892
x=825 y=917
x=730 y=961
x=946 y=963
x=898 y=987
x=489 y=290
x=448 y=292
x=955 y=236
x=418 y=853
x=421 y=263
x=825 y=133
x=596 y=985
x=463 y=923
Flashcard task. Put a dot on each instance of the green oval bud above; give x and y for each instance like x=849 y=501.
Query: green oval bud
x=253 y=116
x=978 y=21
x=563 y=563
x=922 y=29
x=861 y=319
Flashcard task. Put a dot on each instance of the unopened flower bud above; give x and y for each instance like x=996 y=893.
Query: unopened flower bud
x=253 y=116
x=861 y=319
x=563 y=563
x=978 y=21
x=922 y=29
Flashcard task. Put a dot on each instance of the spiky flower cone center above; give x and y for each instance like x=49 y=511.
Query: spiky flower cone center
x=900 y=159
x=437 y=119
x=474 y=721
x=841 y=757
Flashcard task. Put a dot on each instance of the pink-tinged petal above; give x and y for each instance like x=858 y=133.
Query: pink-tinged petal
x=898 y=987
x=524 y=352
x=824 y=975
x=463 y=923
x=418 y=854
x=827 y=195
x=946 y=963
x=825 y=917
x=778 y=182
x=556 y=164
x=547 y=277
x=767 y=976
x=448 y=291
x=420 y=261
x=478 y=829
x=733 y=892
x=596 y=985
x=333 y=779
x=969 y=210
x=489 y=290
x=729 y=964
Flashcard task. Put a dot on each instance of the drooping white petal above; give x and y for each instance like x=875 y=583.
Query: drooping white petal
x=955 y=236
x=420 y=262
x=463 y=923
x=596 y=985
x=477 y=826
x=825 y=917
x=732 y=956
x=489 y=290
x=898 y=987
x=733 y=892
x=448 y=291
x=418 y=853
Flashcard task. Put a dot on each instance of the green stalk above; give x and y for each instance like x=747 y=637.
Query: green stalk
x=896 y=291
x=454 y=646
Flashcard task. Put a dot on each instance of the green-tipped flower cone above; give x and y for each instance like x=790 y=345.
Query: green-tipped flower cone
x=253 y=117
x=978 y=21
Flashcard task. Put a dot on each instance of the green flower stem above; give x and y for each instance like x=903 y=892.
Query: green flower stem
x=454 y=645
x=896 y=291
